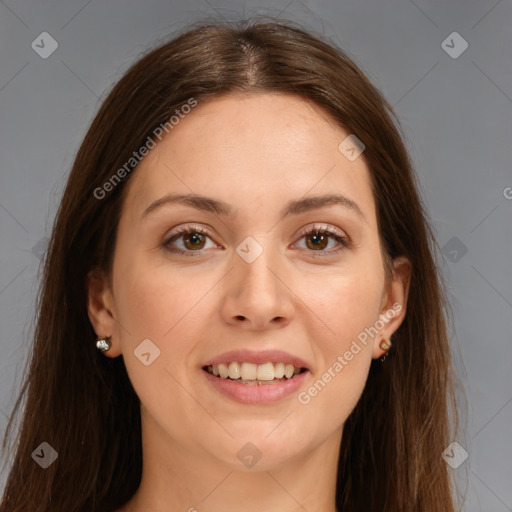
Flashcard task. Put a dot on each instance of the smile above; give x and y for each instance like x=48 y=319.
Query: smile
x=251 y=383
x=255 y=374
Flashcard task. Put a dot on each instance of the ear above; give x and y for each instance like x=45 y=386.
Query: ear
x=101 y=311
x=394 y=303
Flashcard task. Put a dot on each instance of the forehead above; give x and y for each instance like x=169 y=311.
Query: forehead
x=251 y=150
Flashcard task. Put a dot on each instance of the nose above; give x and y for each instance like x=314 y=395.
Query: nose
x=258 y=294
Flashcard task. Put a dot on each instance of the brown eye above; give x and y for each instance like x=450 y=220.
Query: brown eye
x=194 y=240
x=318 y=238
x=318 y=241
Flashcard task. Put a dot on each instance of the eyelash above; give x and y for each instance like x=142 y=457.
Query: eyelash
x=344 y=241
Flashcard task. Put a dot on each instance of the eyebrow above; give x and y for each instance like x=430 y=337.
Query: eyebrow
x=221 y=208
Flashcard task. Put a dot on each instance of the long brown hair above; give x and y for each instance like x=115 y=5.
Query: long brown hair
x=83 y=403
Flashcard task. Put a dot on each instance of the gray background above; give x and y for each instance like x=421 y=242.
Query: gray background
x=456 y=113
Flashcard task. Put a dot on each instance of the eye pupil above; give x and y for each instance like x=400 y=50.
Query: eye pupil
x=318 y=237
x=195 y=237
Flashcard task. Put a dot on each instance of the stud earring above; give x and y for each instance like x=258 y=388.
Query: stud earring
x=104 y=345
x=385 y=345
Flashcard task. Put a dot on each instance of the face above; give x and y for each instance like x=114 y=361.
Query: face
x=261 y=281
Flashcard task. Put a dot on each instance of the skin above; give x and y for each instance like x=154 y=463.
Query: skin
x=255 y=152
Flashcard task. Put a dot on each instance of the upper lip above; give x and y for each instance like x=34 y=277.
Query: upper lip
x=257 y=357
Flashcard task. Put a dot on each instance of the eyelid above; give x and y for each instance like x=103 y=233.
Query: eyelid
x=341 y=237
x=303 y=231
x=184 y=229
x=322 y=227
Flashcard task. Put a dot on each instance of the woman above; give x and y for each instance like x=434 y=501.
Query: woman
x=242 y=225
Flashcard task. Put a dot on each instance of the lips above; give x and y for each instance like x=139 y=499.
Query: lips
x=266 y=385
x=254 y=393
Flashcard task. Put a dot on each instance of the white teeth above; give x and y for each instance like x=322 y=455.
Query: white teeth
x=234 y=371
x=223 y=371
x=248 y=371
x=265 y=371
x=254 y=372
x=278 y=370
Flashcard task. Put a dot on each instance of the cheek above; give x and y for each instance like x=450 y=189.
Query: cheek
x=344 y=303
x=147 y=307
x=154 y=305
x=157 y=301
x=150 y=297
x=348 y=308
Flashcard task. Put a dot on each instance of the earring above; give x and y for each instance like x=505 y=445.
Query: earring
x=385 y=345
x=104 y=345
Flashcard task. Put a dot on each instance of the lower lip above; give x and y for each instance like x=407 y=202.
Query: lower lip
x=256 y=394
